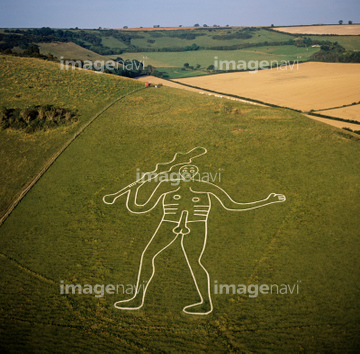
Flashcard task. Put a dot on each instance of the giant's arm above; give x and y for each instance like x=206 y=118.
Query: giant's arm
x=229 y=204
x=132 y=192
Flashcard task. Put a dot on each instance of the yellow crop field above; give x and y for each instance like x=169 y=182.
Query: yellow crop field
x=307 y=86
x=327 y=29
x=351 y=112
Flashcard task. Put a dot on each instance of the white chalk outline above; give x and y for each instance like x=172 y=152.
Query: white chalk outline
x=181 y=225
x=142 y=179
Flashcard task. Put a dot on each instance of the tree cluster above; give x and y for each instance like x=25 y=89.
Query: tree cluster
x=36 y=118
x=245 y=33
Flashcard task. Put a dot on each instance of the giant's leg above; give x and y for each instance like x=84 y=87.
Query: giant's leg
x=163 y=237
x=193 y=246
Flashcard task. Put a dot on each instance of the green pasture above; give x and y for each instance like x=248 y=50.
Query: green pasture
x=69 y=51
x=62 y=231
x=164 y=39
x=27 y=82
x=176 y=73
x=112 y=42
x=348 y=42
x=207 y=57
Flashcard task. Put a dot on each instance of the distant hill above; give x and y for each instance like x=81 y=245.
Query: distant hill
x=69 y=50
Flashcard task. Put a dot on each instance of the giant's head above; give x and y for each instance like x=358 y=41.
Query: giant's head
x=188 y=172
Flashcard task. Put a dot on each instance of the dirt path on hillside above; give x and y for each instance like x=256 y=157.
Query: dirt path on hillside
x=335 y=123
x=156 y=81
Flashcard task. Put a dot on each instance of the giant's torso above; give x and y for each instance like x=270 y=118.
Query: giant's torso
x=196 y=203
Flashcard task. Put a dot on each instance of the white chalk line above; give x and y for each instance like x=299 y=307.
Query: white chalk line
x=184 y=214
x=141 y=180
x=139 y=273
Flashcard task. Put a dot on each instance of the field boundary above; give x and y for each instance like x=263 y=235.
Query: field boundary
x=250 y=100
x=333 y=118
x=22 y=194
x=338 y=107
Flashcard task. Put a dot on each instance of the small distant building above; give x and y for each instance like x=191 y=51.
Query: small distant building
x=147 y=84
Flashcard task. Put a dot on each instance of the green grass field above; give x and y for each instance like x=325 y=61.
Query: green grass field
x=348 y=42
x=69 y=51
x=63 y=231
x=206 y=57
x=176 y=73
x=171 y=62
x=163 y=39
x=26 y=82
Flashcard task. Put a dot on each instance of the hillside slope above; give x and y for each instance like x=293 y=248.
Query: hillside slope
x=27 y=82
x=62 y=231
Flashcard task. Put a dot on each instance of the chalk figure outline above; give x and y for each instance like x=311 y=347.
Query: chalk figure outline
x=182 y=215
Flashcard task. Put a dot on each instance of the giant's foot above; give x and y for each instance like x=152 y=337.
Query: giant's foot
x=130 y=304
x=200 y=308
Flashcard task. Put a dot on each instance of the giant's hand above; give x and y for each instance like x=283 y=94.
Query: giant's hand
x=276 y=198
x=110 y=198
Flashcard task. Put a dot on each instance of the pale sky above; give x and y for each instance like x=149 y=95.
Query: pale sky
x=136 y=13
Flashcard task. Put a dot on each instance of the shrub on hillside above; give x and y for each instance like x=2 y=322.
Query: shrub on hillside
x=36 y=118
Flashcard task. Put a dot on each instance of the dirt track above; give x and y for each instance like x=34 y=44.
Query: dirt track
x=156 y=81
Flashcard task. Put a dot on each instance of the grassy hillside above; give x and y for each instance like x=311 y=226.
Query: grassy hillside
x=63 y=231
x=203 y=37
x=69 y=51
x=27 y=82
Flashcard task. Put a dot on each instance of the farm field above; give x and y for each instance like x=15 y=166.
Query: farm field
x=206 y=38
x=207 y=57
x=335 y=123
x=171 y=83
x=310 y=86
x=26 y=82
x=351 y=112
x=342 y=30
x=62 y=231
x=348 y=42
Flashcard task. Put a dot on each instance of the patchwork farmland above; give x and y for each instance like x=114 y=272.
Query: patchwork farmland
x=305 y=87
x=63 y=236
